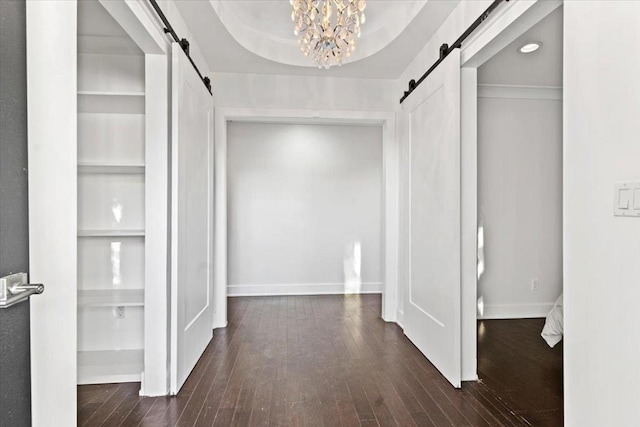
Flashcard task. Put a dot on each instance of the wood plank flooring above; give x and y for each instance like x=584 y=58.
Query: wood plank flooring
x=331 y=361
x=519 y=367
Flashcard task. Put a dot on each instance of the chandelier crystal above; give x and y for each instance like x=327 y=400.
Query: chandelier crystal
x=327 y=29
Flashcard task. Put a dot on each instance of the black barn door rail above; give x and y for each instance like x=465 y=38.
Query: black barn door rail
x=445 y=49
x=184 y=43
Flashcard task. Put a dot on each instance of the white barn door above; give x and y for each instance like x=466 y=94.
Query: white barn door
x=191 y=218
x=432 y=305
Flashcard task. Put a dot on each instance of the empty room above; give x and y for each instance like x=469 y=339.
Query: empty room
x=319 y=212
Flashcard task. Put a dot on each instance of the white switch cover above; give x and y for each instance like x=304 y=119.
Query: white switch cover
x=627 y=199
x=624 y=194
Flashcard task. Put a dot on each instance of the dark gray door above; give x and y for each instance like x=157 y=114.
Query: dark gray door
x=15 y=373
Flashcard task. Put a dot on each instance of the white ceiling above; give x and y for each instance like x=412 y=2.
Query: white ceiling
x=98 y=32
x=540 y=68
x=256 y=36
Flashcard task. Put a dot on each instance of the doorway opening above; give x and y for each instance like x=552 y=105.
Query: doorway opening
x=519 y=215
x=273 y=133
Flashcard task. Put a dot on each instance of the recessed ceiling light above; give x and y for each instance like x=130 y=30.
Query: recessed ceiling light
x=530 y=47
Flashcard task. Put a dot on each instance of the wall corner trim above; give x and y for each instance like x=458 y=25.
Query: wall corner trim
x=391 y=188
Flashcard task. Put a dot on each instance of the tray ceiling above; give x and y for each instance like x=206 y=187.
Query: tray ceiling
x=257 y=36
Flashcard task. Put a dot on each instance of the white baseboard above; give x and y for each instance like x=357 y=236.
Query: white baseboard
x=220 y=325
x=300 y=289
x=515 y=311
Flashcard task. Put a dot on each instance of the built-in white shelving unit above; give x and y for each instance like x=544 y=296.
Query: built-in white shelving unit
x=111 y=210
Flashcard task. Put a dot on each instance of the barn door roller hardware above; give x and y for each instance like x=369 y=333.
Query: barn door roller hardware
x=445 y=49
x=184 y=43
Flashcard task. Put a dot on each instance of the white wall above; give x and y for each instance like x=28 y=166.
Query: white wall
x=303 y=92
x=520 y=205
x=299 y=197
x=276 y=96
x=602 y=252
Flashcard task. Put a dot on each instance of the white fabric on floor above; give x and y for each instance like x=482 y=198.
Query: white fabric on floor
x=553 y=327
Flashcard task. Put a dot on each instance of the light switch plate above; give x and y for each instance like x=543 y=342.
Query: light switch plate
x=627 y=199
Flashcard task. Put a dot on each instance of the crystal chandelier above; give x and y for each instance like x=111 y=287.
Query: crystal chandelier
x=327 y=29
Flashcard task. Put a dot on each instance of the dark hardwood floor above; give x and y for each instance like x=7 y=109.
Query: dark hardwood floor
x=331 y=360
x=518 y=366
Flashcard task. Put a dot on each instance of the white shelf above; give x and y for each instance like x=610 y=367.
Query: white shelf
x=110 y=94
x=111 y=102
x=110 y=233
x=111 y=298
x=110 y=366
x=97 y=168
